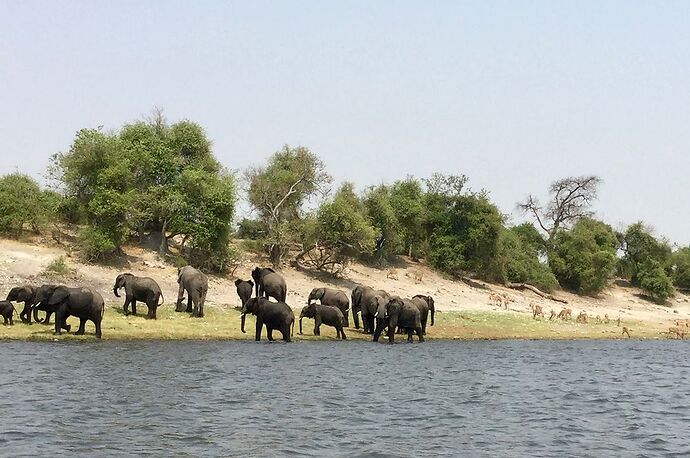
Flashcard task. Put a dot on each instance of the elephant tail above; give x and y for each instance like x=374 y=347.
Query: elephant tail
x=284 y=296
x=292 y=331
x=162 y=298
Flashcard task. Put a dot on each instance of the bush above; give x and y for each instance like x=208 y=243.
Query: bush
x=583 y=259
x=57 y=268
x=252 y=229
x=654 y=281
x=95 y=245
x=518 y=259
x=680 y=268
x=23 y=204
x=639 y=245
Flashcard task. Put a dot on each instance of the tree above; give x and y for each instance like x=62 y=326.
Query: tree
x=639 y=245
x=654 y=281
x=382 y=216
x=680 y=266
x=339 y=232
x=23 y=204
x=571 y=199
x=518 y=260
x=583 y=258
x=278 y=191
x=406 y=202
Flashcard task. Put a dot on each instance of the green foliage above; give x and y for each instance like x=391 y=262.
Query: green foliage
x=382 y=216
x=518 y=258
x=654 y=281
x=681 y=268
x=279 y=190
x=252 y=229
x=148 y=177
x=583 y=259
x=57 y=268
x=463 y=233
x=639 y=245
x=23 y=205
x=406 y=201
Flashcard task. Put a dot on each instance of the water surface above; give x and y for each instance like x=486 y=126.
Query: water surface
x=481 y=398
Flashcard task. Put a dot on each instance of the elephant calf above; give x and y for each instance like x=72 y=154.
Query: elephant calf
x=195 y=283
x=25 y=294
x=275 y=315
x=334 y=298
x=396 y=312
x=6 y=309
x=425 y=304
x=326 y=314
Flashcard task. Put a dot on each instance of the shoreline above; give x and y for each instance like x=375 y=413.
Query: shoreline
x=223 y=324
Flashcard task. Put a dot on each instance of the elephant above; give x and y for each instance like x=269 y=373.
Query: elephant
x=326 y=314
x=244 y=289
x=425 y=304
x=40 y=303
x=275 y=315
x=25 y=294
x=141 y=289
x=195 y=283
x=84 y=303
x=332 y=297
x=269 y=283
x=396 y=312
x=363 y=301
x=6 y=309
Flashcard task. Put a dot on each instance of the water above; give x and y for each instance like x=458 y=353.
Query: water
x=516 y=398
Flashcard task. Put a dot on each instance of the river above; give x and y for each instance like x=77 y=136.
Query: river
x=349 y=399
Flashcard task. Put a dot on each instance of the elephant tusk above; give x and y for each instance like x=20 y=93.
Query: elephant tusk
x=376 y=315
x=348 y=309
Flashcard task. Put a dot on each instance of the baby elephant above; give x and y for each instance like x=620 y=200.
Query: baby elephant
x=6 y=309
x=323 y=314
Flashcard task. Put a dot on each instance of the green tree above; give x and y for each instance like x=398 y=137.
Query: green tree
x=583 y=258
x=639 y=245
x=24 y=205
x=654 y=281
x=406 y=199
x=680 y=262
x=339 y=232
x=518 y=261
x=377 y=201
x=278 y=191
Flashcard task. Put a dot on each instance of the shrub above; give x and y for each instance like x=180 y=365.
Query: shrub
x=94 y=245
x=518 y=259
x=583 y=258
x=57 y=268
x=680 y=267
x=23 y=204
x=654 y=281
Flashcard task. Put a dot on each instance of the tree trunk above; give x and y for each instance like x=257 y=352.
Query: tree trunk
x=536 y=291
x=276 y=255
x=163 y=247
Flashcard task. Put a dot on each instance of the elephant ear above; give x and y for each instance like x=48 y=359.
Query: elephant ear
x=251 y=283
x=59 y=296
x=14 y=292
x=238 y=282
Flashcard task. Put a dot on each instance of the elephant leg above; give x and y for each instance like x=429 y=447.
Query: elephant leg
x=59 y=319
x=269 y=333
x=409 y=334
x=355 y=317
x=25 y=315
x=82 y=327
x=342 y=334
x=286 y=333
x=125 y=306
x=97 y=323
x=134 y=307
x=189 y=308
x=47 y=318
x=202 y=301
x=259 y=325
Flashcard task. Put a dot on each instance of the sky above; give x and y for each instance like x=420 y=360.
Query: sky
x=512 y=94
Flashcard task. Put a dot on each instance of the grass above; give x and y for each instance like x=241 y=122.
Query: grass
x=57 y=268
x=224 y=324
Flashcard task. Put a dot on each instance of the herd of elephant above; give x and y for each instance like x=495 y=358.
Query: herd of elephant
x=379 y=310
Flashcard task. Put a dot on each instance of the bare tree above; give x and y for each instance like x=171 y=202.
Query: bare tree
x=570 y=199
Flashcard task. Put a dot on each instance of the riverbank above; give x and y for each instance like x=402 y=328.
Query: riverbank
x=224 y=324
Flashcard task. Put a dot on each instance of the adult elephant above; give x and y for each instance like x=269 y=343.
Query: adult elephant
x=195 y=283
x=142 y=289
x=25 y=294
x=40 y=304
x=334 y=298
x=269 y=283
x=396 y=312
x=244 y=289
x=425 y=304
x=364 y=302
x=274 y=315
x=84 y=303
x=323 y=314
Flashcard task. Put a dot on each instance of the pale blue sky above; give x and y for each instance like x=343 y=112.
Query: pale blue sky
x=513 y=94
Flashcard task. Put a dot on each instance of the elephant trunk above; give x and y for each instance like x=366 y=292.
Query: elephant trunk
x=115 y=288
x=244 y=316
x=432 y=316
x=35 y=313
x=355 y=317
x=300 y=325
